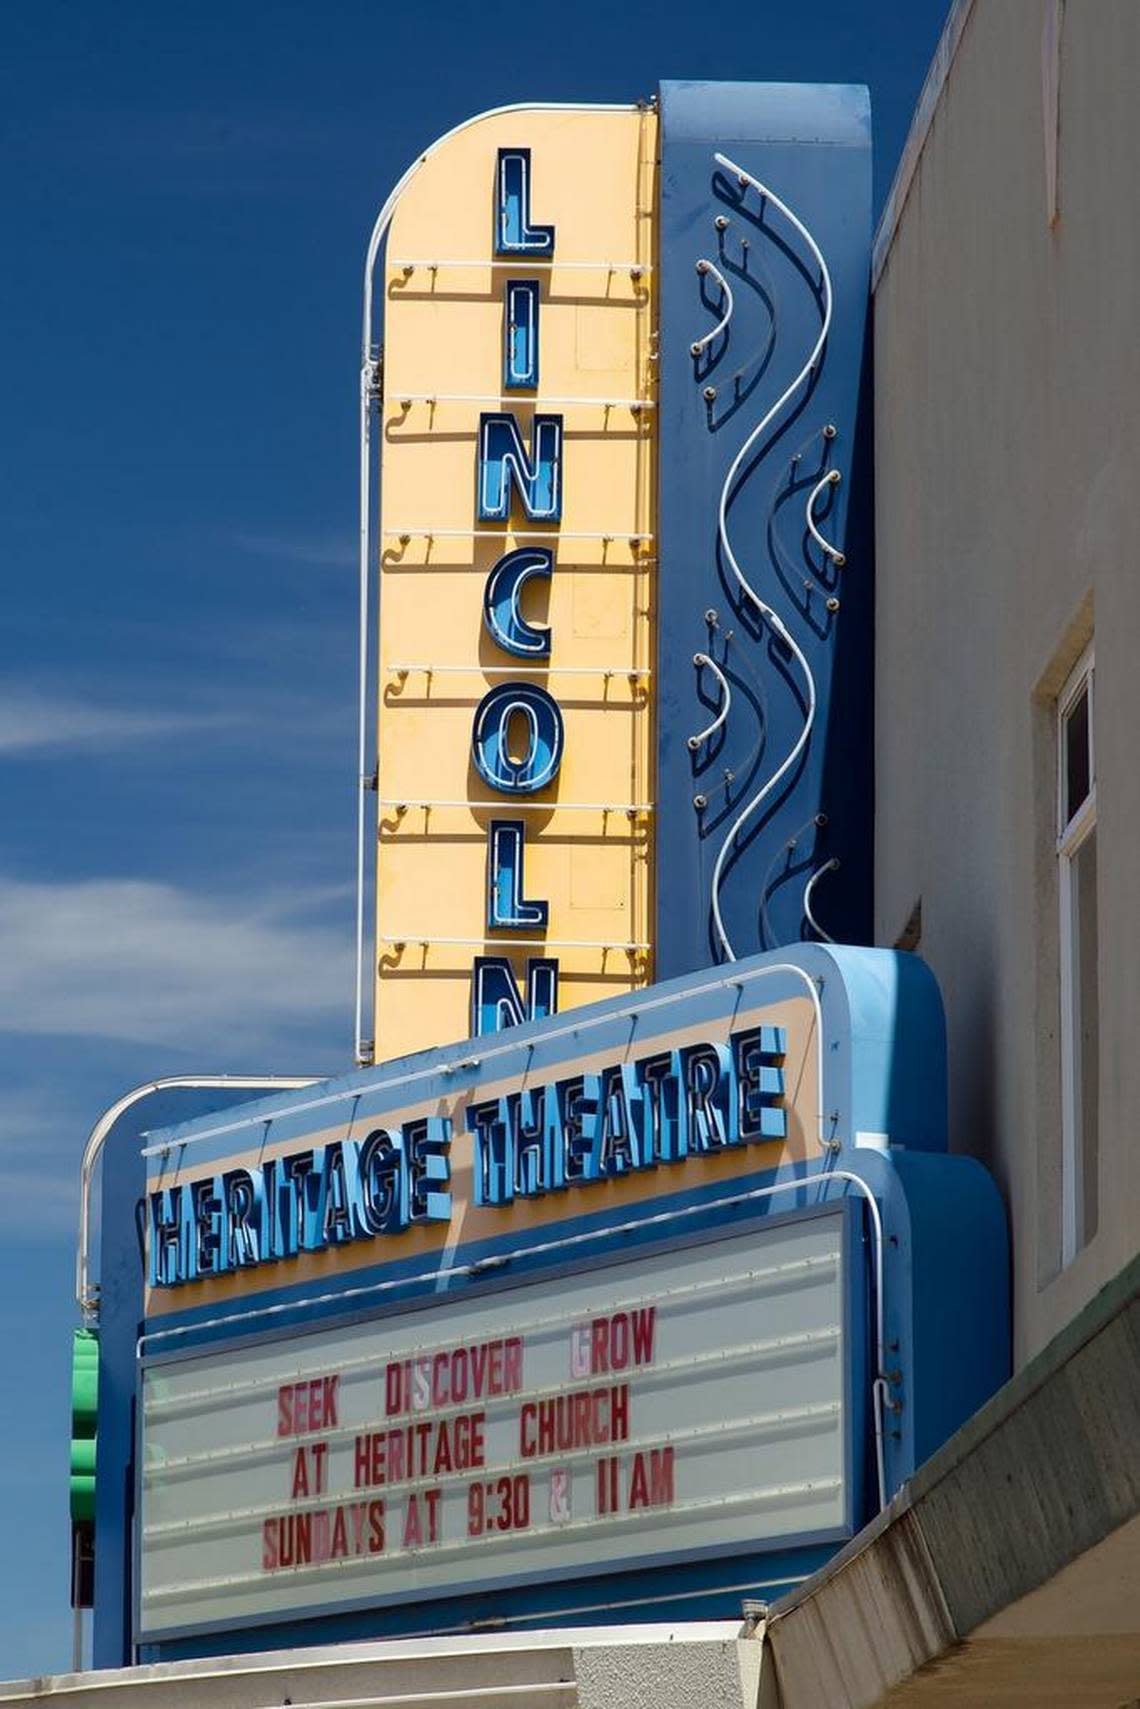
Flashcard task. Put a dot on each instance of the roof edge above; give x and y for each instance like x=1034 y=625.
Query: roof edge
x=940 y=67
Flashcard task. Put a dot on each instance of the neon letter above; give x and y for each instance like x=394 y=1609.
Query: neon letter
x=505 y=904
x=538 y=765
x=506 y=625
x=514 y=233
x=495 y=999
x=504 y=463
x=520 y=346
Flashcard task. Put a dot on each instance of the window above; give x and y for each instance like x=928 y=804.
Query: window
x=1080 y=1030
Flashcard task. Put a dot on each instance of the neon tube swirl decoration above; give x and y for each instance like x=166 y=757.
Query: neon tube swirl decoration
x=700 y=344
x=700 y=659
x=771 y=617
x=786 y=850
x=831 y=865
x=831 y=479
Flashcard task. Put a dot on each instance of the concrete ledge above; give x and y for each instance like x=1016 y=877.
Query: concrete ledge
x=1044 y=1473
x=693 y=1665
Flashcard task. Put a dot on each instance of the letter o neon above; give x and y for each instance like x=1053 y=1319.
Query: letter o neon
x=539 y=765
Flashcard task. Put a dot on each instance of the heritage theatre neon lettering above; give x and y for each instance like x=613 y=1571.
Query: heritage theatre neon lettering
x=674 y=1103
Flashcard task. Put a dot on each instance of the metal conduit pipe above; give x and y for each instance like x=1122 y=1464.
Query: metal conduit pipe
x=771 y=617
x=368 y=396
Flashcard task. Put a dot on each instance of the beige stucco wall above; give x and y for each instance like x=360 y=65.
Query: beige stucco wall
x=1008 y=525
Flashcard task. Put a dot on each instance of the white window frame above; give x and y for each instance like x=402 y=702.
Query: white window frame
x=1071 y=835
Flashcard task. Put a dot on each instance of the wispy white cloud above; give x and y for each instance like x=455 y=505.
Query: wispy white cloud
x=41 y=1139
x=336 y=551
x=32 y=721
x=40 y=1198
x=149 y=963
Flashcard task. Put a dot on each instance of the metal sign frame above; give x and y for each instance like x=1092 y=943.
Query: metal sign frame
x=854 y=1282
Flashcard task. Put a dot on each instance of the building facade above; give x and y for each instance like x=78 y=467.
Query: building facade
x=622 y=703
x=1007 y=421
x=1007 y=428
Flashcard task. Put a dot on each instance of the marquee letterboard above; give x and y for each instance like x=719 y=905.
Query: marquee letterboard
x=692 y=1400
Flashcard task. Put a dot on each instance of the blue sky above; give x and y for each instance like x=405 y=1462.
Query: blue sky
x=187 y=193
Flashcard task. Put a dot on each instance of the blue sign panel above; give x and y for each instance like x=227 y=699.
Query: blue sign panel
x=765 y=657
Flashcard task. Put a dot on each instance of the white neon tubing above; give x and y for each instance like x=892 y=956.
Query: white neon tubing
x=633 y=1009
x=831 y=479
x=831 y=865
x=700 y=344
x=743 y=768
x=85 y=1298
x=771 y=617
x=368 y=382
x=786 y=851
x=726 y=700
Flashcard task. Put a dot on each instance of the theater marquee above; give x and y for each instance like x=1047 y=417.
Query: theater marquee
x=586 y=1295
x=627 y=1293
x=682 y=1402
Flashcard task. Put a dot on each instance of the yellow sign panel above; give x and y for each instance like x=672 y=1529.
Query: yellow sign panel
x=515 y=703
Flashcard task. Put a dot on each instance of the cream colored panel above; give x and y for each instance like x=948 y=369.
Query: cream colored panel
x=588 y=851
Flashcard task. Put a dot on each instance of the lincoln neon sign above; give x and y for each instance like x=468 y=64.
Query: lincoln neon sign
x=518 y=735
